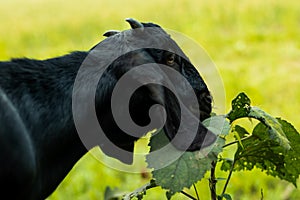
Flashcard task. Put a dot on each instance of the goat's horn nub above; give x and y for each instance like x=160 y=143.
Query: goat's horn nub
x=134 y=24
x=110 y=33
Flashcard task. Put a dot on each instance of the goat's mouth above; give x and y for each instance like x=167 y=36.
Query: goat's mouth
x=204 y=111
x=204 y=106
x=205 y=102
x=192 y=135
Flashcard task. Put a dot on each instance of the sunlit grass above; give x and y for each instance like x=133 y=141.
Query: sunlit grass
x=255 y=45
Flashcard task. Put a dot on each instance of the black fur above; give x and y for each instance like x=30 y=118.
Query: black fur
x=39 y=143
x=36 y=114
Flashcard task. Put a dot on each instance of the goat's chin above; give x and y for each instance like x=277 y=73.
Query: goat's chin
x=202 y=139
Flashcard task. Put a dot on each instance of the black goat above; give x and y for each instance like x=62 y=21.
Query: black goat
x=39 y=143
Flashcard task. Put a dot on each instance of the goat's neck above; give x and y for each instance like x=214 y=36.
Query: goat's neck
x=57 y=144
x=61 y=146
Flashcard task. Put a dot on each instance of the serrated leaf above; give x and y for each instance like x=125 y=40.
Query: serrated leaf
x=217 y=124
x=240 y=107
x=262 y=152
x=292 y=157
x=188 y=167
x=275 y=131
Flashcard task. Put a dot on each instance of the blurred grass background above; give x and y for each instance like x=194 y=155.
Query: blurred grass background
x=255 y=45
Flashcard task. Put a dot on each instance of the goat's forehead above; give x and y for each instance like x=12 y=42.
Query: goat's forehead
x=147 y=33
x=147 y=37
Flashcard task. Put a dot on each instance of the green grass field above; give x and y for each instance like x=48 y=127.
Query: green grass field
x=254 y=44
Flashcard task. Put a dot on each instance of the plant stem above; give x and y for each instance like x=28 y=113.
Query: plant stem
x=188 y=195
x=213 y=181
x=228 y=178
x=196 y=192
x=140 y=190
x=236 y=141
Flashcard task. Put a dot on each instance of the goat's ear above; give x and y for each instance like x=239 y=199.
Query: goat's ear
x=110 y=33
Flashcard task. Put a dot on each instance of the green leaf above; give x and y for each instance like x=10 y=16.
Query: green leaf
x=174 y=169
x=169 y=194
x=217 y=124
x=240 y=107
x=183 y=172
x=240 y=132
x=275 y=131
x=262 y=152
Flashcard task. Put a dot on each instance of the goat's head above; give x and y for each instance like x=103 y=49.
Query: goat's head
x=162 y=75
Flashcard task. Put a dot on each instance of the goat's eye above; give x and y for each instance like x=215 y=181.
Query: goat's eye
x=171 y=59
